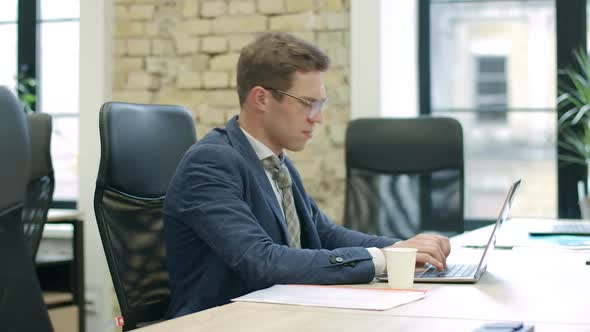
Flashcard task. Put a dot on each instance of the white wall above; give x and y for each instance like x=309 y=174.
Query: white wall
x=399 y=58
x=384 y=58
x=365 y=76
x=95 y=88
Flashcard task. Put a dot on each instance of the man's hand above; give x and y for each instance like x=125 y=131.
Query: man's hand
x=432 y=249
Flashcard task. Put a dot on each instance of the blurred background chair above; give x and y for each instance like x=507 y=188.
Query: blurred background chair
x=404 y=176
x=21 y=303
x=141 y=146
x=41 y=180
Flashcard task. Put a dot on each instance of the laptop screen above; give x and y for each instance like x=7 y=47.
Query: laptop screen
x=504 y=213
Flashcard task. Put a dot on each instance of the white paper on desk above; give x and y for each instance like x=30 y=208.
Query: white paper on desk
x=334 y=296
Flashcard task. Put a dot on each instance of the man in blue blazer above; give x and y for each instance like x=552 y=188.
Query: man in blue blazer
x=235 y=222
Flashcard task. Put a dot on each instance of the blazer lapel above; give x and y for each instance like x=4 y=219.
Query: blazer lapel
x=240 y=143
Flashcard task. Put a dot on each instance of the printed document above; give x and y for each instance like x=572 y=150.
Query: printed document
x=335 y=296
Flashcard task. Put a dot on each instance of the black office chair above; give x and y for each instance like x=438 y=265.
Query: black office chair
x=41 y=180
x=405 y=176
x=21 y=303
x=141 y=146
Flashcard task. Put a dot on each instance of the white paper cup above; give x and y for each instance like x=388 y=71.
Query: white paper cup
x=401 y=263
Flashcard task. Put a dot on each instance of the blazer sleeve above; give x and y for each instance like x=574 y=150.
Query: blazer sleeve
x=212 y=203
x=334 y=236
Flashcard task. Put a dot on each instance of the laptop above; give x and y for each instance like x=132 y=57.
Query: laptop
x=466 y=273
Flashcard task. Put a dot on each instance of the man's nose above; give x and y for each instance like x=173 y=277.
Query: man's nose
x=317 y=117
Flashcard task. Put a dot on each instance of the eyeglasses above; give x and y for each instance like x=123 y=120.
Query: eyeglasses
x=315 y=106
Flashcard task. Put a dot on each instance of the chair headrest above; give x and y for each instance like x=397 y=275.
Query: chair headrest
x=40 y=132
x=422 y=144
x=141 y=146
x=14 y=152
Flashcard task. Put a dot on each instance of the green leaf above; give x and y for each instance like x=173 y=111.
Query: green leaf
x=565 y=118
x=573 y=102
x=573 y=160
x=580 y=114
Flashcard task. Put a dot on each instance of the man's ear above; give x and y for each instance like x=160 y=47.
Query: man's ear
x=258 y=97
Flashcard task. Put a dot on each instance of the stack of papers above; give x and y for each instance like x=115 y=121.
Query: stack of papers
x=335 y=296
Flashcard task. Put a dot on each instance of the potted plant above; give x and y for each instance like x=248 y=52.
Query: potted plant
x=574 y=123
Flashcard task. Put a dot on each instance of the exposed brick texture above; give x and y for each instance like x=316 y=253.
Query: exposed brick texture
x=185 y=52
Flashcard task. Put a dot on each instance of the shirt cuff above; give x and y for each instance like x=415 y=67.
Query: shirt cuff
x=378 y=260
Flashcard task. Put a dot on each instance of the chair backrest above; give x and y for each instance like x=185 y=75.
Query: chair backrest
x=41 y=180
x=404 y=176
x=141 y=147
x=21 y=304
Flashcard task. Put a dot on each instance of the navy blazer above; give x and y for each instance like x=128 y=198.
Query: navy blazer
x=225 y=232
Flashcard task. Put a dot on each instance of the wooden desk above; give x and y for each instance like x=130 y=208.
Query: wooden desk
x=265 y=317
x=74 y=218
x=546 y=287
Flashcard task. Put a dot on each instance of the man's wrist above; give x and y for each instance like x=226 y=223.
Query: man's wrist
x=378 y=260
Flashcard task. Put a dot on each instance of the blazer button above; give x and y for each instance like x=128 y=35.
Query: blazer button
x=339 y=259
x=332 y=260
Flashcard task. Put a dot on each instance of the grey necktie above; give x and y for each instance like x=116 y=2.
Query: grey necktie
x=281 y=176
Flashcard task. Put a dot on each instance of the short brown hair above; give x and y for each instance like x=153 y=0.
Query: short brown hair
x=271 y=60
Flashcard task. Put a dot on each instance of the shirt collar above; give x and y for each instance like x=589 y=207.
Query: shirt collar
x=261 y=150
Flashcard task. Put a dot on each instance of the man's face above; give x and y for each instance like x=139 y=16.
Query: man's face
x=287 y=122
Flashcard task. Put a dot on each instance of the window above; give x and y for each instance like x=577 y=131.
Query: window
x=8 y=25
x=40 y=39
x=490 y=91
x=58 y=54
x=493 y=67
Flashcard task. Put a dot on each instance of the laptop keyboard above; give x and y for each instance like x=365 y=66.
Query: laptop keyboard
x=452 y=271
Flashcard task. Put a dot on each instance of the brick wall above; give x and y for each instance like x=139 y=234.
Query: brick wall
x=185 y=52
